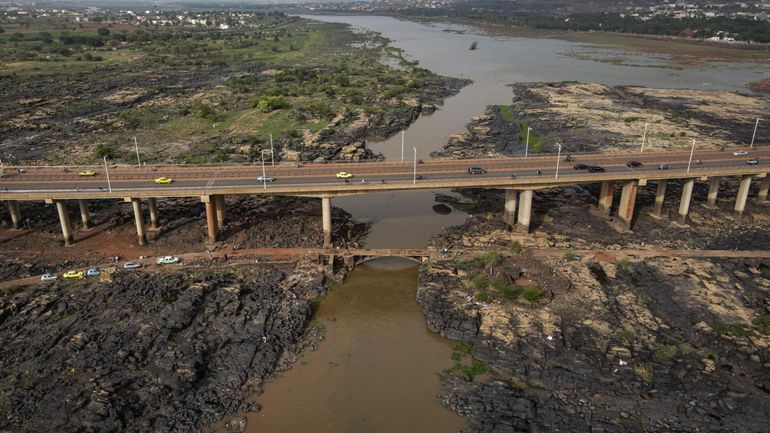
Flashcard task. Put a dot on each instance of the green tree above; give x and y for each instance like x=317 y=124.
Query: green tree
x=16 y=37
x=103 y=32
x=103 y=150
x=2 y=30
x=46 y=37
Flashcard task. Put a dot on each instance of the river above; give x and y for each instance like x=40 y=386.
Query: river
x=377 y=370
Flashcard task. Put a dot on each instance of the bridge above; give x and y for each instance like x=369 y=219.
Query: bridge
x=520 y=177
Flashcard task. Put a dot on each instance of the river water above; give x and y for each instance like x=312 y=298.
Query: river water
x=377 y=370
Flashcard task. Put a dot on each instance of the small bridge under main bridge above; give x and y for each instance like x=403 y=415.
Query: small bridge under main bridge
x=358 y=255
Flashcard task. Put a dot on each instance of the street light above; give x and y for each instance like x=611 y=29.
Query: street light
x=691 y=152
x=644 y=136
x=402 y=146
x=107 y=172
x=136 y=146
x=756 y=124
x=272 y=151
x=526 y=148
x=558 y=157
x=414 y=172
x=264 y=176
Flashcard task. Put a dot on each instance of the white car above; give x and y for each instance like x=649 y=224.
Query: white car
x=740 y=152
x=49 y=277
x=132 y=265
x=167 y=260
x=266 y=179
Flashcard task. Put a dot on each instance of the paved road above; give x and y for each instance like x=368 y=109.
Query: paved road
x=382 y=175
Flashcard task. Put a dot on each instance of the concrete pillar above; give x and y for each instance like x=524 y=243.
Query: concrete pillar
x=605 y=196
x=220 y=203
x=84 y=216
x=64 y=219
x=764 y=186
x=13 y=208
x=153 y=205
x=211 y=218
x=525 y=210
x=326 y=217
x=140 y=234
x=627 y=203
x=684 y=203
x=713 y=191
x=511 y=199
x=740 y=199
x=660 y=198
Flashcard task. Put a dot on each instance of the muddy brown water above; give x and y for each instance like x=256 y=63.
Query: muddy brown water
x=376 y=371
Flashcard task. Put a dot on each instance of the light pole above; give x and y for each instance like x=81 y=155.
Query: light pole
x=272 y=151
x=526 y=148
x=402 y=146
x=644 y=136
x=692 y=150
x=558 y=157
x=107 y=172
x=414 y=172
x=756 y=124
x=264 y=176
x=136 y=147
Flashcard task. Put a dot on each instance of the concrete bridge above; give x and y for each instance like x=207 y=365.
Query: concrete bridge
x=520 y=177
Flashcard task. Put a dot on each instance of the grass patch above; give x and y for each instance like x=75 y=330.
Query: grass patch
x=762 y=324
x=483 y=297
x=532 y=294
x=625 y=336
x=515 y=247
x=473 y=370
x=664 y=353
x=731 y=329
x=507 y=290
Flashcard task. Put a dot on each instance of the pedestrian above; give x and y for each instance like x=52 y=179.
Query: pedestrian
x=226 y=258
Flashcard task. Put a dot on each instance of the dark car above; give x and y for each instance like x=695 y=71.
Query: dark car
x=596 y=169
x=580 y=167
x=663 y=167
x=634 y=164
x=476 y=170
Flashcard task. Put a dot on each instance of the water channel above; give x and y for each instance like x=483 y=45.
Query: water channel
x=377 y=370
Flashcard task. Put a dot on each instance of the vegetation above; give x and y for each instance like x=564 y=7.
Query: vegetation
x=532 y=294
x=536 y=142
x=515 y=247
x=762 y=324
x=570 y=256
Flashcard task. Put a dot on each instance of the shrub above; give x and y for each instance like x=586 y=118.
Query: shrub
x=515 y=247
x=490 y=258
x=206 y=111
x=483 y=297
x=480 y=281
x=664 y=353
x=266 y=104
x=762 y=323
x=103 y=31
x=507 y=290
x=103 y=150
x=472 y=370
x=533 y=294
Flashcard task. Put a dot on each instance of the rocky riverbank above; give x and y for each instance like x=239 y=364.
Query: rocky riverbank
x=605 y=342
x=586 y=117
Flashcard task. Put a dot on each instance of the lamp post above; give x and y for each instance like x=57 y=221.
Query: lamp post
x=272 y=151
x=136 y=147
x=414 y=172
x=264 y=176
x=644 y=136
x=756 y=124
x=692 y=150
x=107 y=172
x=402 y=146
x=526 y=147
x=558 y=157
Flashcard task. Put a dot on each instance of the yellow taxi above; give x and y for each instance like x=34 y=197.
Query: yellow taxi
x=73 y=274
x=344 y=175
x=87 y=173
x=162 y=180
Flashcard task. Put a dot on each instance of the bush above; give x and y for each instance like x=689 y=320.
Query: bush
x=664 y=353
x=103 y=150
x=762 y=323
x=507 y=290
x=206 y=111
x=515 y=247
x=480 y=281
x=490 y=259
x=483 y=297
x=266 y=104
x=103 y=31
x=533 y=294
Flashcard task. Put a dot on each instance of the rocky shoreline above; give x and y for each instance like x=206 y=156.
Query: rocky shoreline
x=612 y=343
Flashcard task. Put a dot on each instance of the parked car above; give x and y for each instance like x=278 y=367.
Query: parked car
x=87 y=173
x=132 y=265
x=162 y=180
x=664 y=167
x=73 y=274
x=752 y=161
x=476 y=170
x=48 y=277
x=93 y=272
x=266 y=179
x=634 y=164
x=344 y=175
x=596 y=169
x=740 y=152
x=580 y=167
x=167 y=260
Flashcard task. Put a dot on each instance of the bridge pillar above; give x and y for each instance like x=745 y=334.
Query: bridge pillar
x=326 y=217
x=525 y=210
x=140 y=234
x=713 y=192
x=64 y=219
x=511 y=199
x=740 y=199
x=153 y=205
x=13 y=208
x=628 y=203
x=211 y=217
x=684 y=203
x=605 y=196
x=764 y=186
x=219 y=200
x=84 y=216
x=660 y=198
